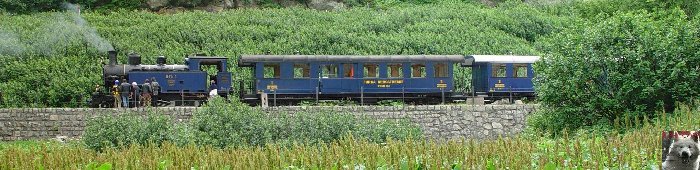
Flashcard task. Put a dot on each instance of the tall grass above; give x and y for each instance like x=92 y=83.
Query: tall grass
x=634 y=149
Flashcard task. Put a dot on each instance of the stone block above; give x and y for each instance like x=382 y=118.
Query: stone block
x=456 y=127
x=468 y=117
x=487 y=126
x=507 y=116
x=496 y=125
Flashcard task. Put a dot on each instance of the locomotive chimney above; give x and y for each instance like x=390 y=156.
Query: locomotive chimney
x=134 y=59
x=160 y=60
x=112 y=55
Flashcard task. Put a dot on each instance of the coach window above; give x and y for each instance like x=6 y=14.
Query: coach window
x=348 y=71
x=301 y=70
x=271 y=70
x=520 y=70
x=441 y=70
x=329 y=71
x=498 y=70
x=417 y=70
x=394 y=70
x=371 y=70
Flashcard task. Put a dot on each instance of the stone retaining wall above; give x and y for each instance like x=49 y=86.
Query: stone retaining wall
x=441 y=122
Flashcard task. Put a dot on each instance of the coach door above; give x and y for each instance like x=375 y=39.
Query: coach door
x=349 y=79
x=329 y=80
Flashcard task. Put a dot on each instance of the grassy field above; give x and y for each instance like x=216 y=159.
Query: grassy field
x=637 y=148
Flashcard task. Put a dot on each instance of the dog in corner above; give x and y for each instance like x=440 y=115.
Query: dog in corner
x=680 y=150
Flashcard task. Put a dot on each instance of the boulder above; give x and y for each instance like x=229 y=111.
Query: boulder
x=327 y=5
x=156 y=4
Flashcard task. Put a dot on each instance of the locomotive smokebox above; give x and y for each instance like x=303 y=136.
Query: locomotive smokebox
x=134 y=59
x=160 y=60
x=112 y=55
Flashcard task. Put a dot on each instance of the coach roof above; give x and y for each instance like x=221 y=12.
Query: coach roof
x=470 y=60
x=249 y=59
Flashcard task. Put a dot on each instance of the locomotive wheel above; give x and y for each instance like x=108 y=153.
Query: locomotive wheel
x=105 y=104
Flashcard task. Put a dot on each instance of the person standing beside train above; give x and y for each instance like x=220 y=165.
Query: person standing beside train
x=115 y=93
x=136 y=93
x=125 y=91
x=146 y=93
x=213 y=85
x=213 y=89
x=155 y=88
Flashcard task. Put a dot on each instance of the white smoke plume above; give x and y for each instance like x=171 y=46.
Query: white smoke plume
x=89 y=33
x=10 y=44
x=65 y=29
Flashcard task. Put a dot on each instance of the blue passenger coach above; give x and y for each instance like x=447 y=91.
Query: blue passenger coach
x=502 y=75
x=370 y=78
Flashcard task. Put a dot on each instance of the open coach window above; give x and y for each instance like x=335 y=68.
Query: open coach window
x=498 y=70
x=394 y=70
x=348 y=70
x=271 y=70
x=440 y=70
x=329 y=71
x=520 y=70
x=371 y=70
x=417 y=70
x=301 y=70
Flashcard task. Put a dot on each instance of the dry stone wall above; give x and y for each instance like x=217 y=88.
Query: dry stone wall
x=440 y=122
x=44 y=123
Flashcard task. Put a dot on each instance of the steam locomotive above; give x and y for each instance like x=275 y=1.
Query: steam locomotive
x=180 y=85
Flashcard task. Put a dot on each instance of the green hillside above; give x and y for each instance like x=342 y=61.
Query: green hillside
x=53 y=62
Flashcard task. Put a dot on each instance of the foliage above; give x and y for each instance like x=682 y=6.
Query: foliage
x=390 y=103
x=595 y=8
x=27 y=7
x=223 y=124
x=64 y=61
x=328 y=103
x=126 y=129
x=637 y=149
x=24 y=6
x=629 y=65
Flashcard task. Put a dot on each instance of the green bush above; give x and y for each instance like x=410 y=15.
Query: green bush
x=390 y=103
x=629 y=65
x=127 y=129
x=223 y=124
x=593 y=8
x=24 y=6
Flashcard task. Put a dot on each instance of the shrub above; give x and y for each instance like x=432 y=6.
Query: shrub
x=126 y=129
x=632 y=64
x=223 y=124
x=380 y=130
x=390 y=103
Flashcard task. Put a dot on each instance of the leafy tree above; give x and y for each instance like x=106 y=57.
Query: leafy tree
x=630 y=65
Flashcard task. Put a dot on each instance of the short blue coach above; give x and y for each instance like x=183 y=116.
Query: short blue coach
x=502 y=75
